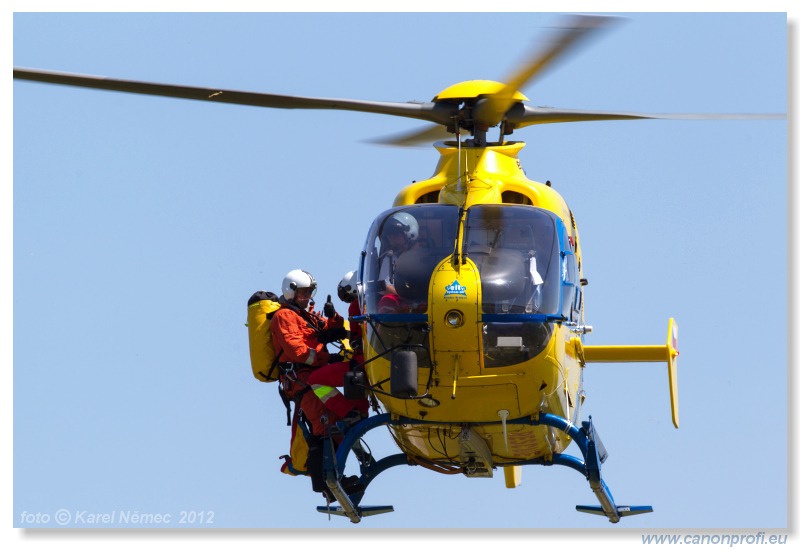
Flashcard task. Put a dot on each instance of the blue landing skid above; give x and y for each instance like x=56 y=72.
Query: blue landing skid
x=363 y=511
x=622 y=511
x=585 y=437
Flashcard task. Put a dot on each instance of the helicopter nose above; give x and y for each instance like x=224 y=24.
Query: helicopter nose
x=454 y=312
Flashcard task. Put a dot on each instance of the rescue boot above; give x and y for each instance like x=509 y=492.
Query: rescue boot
x=315 y=470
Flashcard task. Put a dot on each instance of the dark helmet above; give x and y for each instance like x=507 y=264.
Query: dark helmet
x=348 y=287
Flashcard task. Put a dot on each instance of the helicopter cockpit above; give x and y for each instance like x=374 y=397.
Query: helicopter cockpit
x=517 y=253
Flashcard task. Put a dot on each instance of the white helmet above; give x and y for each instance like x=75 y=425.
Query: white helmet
x=298 y=279
x=348 y=287
x=403 y=222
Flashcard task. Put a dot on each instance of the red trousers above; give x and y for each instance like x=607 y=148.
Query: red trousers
x=324 y=381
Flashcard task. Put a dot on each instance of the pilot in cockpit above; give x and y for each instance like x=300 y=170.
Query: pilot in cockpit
x=399 y=234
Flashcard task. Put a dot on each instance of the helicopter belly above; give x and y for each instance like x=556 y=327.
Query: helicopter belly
x=463 y=393
x=488 y=411
x=443 y=443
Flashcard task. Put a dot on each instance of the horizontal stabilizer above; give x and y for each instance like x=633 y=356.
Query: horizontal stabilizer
x=621 y=510
x=364 y=511
x=667 y=353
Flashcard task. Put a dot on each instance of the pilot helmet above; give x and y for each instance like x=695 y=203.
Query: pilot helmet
x=402 y=222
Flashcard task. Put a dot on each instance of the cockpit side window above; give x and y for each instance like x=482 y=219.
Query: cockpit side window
x=570 y=306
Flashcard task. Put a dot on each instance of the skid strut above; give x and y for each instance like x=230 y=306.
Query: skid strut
x=334 y=463
x=585 y=437
x=594 y=454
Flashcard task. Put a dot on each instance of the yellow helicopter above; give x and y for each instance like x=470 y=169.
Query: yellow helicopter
x=474 y=333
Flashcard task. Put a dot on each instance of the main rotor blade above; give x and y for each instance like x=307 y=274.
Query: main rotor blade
x=424 y=111
x=412 y=138
x=548 y=115
x=491 y=110
x=526 y=115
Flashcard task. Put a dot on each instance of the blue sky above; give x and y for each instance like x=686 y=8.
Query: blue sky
x=142 y=225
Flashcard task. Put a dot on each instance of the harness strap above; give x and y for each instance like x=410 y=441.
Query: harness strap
x=312 y=321
x=275 y=363
x=287 y=401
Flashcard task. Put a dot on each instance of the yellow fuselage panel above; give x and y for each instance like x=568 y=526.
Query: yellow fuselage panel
x=456 y=289
x=466 y=176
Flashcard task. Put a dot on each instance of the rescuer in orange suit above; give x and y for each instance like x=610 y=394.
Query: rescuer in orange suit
x=297 y=335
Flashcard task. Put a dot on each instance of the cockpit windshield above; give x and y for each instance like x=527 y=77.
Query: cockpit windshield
x=515 y=249
x=517 y=254
x=403 y=248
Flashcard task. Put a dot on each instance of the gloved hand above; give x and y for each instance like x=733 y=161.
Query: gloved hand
x=331 y=335
x=328 y=308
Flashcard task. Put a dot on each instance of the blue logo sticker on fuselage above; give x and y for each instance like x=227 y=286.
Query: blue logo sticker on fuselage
x=455 y=290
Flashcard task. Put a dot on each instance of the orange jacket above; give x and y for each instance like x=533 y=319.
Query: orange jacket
x=294 y=335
